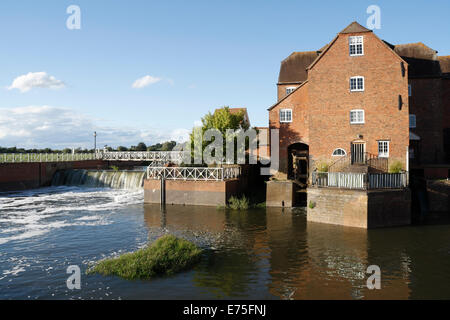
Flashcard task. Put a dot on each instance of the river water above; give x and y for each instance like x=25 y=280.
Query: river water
x=257 y=254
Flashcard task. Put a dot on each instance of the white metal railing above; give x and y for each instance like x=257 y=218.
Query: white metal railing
x=364 y=181
x=387 y=180
x=46 y=157
x=193 y=173
x=156 y=157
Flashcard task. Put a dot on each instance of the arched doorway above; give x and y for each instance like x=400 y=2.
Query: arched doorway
x=298 y=163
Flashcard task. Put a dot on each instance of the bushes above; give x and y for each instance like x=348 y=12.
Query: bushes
x=243 y=203
x=235 y=203
x=165 y=256
x=322 y=167
x=395 y=167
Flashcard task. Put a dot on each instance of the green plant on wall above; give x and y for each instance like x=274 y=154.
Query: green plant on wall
x=312 y=205
x=322 y=167
x=395 y=167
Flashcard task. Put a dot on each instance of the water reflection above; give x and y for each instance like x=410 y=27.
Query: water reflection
x=274 y=253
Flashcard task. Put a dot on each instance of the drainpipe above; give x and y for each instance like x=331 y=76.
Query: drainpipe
x=407 y=165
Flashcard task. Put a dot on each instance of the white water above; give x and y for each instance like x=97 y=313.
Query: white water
x=33 y=213
x=99 y=178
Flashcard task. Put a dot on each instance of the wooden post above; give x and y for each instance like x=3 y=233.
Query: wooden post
x=163 y=192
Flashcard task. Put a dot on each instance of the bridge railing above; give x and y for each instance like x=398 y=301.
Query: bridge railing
x=158 y=156
x=47 y=157
x=194 y=173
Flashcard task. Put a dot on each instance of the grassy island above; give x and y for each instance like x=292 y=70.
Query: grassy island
x=165 y=256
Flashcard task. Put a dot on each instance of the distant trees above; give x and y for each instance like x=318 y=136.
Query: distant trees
x=141 y=146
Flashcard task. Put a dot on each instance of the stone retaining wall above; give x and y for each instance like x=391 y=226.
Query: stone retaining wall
x=359 y=208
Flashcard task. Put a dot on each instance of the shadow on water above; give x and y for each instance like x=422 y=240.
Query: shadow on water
x=274 y=253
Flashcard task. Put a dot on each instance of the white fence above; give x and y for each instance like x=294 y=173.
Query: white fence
x=156 y=157
x=363 y=181
x=193 y=173
x=47 y=157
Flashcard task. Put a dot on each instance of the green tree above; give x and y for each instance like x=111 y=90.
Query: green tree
x=141 y=147
x=168 y=146
x=222 y=120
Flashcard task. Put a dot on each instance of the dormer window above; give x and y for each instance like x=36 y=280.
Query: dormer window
x=290 y=89
x=356 y=46
x=357 y=83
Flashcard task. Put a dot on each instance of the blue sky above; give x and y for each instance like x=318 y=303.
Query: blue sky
x=205 y=54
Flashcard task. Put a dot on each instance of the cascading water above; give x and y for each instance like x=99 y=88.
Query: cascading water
x=99 y=179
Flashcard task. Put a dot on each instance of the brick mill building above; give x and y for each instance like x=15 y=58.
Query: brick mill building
x=361 y=103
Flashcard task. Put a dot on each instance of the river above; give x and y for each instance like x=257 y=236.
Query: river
x=256 y=254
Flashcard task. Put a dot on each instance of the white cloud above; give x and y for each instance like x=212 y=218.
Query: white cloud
x=145 y=81
x=56 y=127
x=31 y=80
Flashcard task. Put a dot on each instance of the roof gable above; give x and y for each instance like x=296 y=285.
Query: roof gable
x=296 y=89
x=355 y=27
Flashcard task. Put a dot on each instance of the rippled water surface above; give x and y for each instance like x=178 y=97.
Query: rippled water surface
x=258 y=254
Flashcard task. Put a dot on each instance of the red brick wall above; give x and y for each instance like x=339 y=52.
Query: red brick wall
x=295 y=131
x=330 y=100
x=281 y=90
x=426 y=104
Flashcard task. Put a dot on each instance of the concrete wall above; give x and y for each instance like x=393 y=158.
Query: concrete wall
x=22 y=176
x=208 y=193
x=359 y=208
x=279 y=193
x=438 y=192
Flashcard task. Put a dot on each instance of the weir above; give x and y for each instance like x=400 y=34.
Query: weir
x=99 y=178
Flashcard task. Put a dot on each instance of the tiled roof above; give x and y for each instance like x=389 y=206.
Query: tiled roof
x=355 y=27
x=293 y=68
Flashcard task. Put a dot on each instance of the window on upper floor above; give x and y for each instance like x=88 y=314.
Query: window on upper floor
x=290 y=89
x=286 y=115
x=339 y=152
x=412 y=120
x=383 y=149
x=357 y=83
x=356 y=45
x=357 y=116
x=409 y=90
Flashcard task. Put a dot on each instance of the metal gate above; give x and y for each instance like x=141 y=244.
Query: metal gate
x=358 y=152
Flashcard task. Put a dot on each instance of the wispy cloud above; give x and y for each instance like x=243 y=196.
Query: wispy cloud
x=32 y=80
x=56 y=127
x=145 y=81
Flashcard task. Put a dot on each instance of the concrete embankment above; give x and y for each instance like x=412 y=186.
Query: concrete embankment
x=22 y=176
x=207 y=193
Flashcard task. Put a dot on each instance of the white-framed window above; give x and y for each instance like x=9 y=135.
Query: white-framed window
x=290 y=89
x=357 y=83
x=409 y=90
x=338 y=152
x=286 y=115
x=356 y=45
x=412 y=120
x=383 y=148
x=357 y=116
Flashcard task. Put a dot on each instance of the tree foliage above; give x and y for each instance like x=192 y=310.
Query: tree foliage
x=221 y=120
